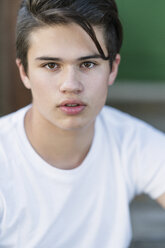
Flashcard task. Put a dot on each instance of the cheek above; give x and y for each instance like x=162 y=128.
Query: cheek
x=42 y=87
x=100 y=85
x=99 y=92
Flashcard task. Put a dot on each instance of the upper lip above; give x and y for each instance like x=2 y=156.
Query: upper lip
x=71 y=102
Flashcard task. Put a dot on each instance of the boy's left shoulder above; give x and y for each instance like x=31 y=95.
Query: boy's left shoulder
x=118 y=118
x=127 y=124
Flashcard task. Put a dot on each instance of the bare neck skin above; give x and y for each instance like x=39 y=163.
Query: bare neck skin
x=60 y=148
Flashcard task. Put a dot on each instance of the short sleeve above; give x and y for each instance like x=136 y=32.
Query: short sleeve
x=150 y=172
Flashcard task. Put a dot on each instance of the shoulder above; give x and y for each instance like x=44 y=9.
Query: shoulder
x=10 y=121
x=140 y=148
x=119 y=118
x=137 y=142
x=126 y=125
x=9 y=131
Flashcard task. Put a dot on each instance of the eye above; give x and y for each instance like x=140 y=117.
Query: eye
x=52 y=66
x=88 y=65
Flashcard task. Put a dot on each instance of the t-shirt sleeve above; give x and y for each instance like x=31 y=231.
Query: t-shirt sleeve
x=150 y=161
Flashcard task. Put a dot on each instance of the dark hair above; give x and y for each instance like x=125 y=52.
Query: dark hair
x=34 y=14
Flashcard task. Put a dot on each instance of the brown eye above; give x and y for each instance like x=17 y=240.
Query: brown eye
x=51 y=66
x=88 y=65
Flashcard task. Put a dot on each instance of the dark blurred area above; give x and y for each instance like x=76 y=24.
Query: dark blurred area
x=13 y=95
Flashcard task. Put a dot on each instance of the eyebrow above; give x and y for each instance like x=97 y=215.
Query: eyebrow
x=96 y=56
x=46 y=58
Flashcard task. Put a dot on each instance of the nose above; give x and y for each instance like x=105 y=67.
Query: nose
x=71 y=82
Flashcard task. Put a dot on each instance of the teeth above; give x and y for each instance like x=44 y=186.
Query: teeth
x=72 y=105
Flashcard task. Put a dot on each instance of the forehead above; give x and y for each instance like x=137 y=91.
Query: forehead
x=69 y=41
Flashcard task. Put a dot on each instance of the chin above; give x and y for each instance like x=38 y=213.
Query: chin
x=73 y=125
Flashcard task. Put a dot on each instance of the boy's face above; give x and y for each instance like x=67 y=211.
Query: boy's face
x=69 y=84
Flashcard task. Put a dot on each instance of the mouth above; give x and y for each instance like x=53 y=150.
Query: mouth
x=71 y=103
x=72 y=107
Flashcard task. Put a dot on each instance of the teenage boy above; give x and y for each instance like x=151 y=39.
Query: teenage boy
x=69 y=166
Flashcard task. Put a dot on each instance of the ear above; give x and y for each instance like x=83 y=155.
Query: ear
x=23 y=74
x=114 y=70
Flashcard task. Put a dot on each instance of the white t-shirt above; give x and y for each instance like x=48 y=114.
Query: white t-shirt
x=87 y=207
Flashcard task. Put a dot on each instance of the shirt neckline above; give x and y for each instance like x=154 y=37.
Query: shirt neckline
x=34 y=159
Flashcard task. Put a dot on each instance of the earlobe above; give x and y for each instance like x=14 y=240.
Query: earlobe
x=23 y=74
x=114 y=70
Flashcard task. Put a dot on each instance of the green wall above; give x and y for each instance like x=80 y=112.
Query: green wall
x=143 y=51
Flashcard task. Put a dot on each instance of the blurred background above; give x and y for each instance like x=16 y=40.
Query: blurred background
x=12 y=93
x=140 y=86
x=139 y=89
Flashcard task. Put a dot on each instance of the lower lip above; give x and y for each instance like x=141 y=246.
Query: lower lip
x=72 y=110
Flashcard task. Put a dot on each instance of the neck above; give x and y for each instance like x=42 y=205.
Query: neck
x=60 y=148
